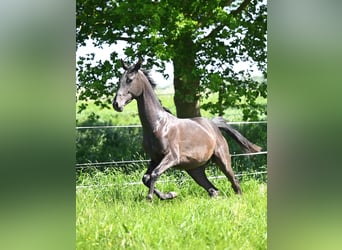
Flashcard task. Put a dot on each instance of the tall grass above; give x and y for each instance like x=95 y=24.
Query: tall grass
x=113 y=213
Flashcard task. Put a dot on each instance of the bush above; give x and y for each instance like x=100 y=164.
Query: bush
x=107 y=144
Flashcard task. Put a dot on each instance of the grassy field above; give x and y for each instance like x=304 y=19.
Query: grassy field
x=113 y=214
x=112 y=211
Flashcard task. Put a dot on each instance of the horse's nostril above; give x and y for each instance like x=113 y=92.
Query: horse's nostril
x=116 y=106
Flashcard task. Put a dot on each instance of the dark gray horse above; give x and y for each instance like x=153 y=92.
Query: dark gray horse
x=186 y=144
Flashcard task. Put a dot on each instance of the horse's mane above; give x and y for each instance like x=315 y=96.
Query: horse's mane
x=153 y=84
x=149 y=78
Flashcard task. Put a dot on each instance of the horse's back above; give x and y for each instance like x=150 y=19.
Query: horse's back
x=214 y=131
x=208 y=126
x=195 y=141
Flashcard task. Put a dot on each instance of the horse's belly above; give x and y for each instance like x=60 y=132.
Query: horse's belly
x=190 y=160
x=188 y=166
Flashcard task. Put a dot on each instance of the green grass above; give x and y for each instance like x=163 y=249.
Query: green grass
x=114 y=215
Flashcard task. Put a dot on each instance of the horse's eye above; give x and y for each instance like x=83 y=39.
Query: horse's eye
x=129 y=80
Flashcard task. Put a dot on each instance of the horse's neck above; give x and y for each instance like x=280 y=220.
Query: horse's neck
x=150 y=109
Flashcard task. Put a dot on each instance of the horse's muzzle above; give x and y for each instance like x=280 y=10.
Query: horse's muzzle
x=120 y=101
x=117 y=107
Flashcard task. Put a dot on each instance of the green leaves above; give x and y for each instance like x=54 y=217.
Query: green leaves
x=203 y=39
x=184 y=25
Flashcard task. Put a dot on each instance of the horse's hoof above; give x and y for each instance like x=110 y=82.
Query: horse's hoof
x=213 y=193
x=149 y=197
x=172 y=195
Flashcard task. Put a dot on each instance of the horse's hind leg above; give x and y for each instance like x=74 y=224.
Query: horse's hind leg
x=198 y=174
x=222 y=158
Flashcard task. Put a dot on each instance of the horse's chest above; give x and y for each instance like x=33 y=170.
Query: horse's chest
x=154 y=145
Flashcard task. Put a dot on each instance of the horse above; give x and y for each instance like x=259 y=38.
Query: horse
x=186 y=144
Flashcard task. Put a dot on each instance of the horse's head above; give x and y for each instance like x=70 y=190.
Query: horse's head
x=130 y=86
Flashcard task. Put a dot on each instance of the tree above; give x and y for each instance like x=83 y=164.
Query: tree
x=203 y=40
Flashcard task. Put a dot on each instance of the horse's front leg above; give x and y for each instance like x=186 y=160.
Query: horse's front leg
x=163 y=196
x=147 y=182
x=166 y=163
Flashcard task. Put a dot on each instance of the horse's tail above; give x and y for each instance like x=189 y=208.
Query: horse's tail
x=245 y=144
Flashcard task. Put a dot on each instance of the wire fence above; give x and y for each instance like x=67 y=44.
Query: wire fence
x=139 y=126
x=111 y=163
x=167 y=180
x=116 y=163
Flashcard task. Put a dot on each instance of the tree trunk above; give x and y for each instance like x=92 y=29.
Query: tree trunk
x=186 y=81
x=220 y=101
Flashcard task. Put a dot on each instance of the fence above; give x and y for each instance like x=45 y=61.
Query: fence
x=168 y=180
x=99 y=164
x=109 y=164
x=139 y=126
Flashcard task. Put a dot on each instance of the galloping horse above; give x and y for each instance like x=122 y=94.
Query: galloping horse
x=186 y=144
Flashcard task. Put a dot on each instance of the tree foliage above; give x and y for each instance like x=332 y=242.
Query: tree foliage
x=203 y=40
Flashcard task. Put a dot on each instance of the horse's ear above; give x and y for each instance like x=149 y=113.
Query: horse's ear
x=124 y=65
x=138 y=64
